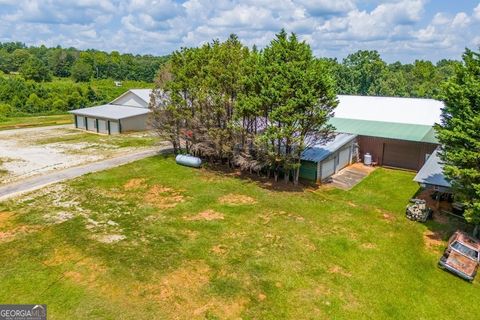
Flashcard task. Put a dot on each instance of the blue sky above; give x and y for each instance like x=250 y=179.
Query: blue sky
x=402 y=30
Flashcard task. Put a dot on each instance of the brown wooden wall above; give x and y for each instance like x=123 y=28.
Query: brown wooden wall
x=395 y=153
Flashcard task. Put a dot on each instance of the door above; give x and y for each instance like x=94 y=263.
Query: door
x=102 y=126
x=91 y=124
x=80 y=122
x=344 y=157
x=401 y=155
x=328 y=168
x=308 y=170
x=114 y=127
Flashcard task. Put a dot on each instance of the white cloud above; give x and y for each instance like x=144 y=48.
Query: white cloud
x=399 y=29
x=328 y=7
x=476 y=12
x=440 y=18
x=247 y=17
x=461 y=20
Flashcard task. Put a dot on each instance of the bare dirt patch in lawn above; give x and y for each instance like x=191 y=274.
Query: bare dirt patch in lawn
x=62 y=255
x=163 y=197
x=433 y=239
x=335 y=269
x=236 y=199
x=135 y=183
x=207 y=215
x=10 y=235
x=387 y=216
x=6 y=218
x=181 y=294
x=191 y=234
x=58 y=217
x=109 y=238
x=368 y=245
x=81 y=269
x=87 y=272
x=219 y=249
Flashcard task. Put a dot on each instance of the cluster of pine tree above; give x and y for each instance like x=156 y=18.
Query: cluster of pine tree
x=248 y=108
x=42 y=63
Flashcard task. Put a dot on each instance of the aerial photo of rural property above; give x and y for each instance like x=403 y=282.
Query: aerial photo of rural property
x=197 y=159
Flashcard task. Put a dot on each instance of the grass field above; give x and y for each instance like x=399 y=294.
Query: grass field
x=153 y=240
x=132 y=139
x=35 y=121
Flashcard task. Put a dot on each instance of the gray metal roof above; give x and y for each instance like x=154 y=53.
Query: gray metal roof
x=432 y=172
x=321 y=151
x=110 y=111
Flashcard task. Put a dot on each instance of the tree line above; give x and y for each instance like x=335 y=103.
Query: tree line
x=258 y=110
x=19 y=97
x=362 y=73
x=366 y=73
x=32 y=76
x=42 y=63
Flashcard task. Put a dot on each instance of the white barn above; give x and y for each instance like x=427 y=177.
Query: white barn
x=128 y=112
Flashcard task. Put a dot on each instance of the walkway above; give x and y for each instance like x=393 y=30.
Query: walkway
x=350 y=176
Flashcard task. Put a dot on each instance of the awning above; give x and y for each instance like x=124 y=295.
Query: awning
x=432 y=172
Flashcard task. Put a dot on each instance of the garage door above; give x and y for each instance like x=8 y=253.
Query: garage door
x=328 y=168
x=114 y=128
x=91 y=124
x=401 y=155
x=102 y=126
x=343 y=159
x=80 y=121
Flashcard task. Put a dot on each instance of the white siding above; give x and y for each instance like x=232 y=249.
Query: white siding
x=328 y=168
x=138 y=123
x=91 y=124
x=132 y=100
x=344 y=157
x=114 y=128
x=80 y=122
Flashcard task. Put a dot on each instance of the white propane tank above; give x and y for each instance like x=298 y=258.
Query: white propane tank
x=188 y=160
x=367 y=159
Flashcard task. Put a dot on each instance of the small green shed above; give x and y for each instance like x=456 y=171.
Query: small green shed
x=321 y=161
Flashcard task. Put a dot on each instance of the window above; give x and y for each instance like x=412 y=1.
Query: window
x=469 y=252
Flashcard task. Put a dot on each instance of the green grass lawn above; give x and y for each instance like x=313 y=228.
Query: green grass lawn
x=35 y=121
x=200 y=245
x=134 y=139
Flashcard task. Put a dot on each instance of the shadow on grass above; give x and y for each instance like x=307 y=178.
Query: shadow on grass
x=443 y=223
x=261 y=180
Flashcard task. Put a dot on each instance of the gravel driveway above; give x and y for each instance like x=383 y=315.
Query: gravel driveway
x=35 y=151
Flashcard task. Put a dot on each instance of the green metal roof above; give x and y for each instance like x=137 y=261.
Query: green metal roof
x=391 y=130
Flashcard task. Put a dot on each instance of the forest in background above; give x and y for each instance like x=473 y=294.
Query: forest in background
x=41 y=80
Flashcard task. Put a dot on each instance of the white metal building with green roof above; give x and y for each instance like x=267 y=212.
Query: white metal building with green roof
x=397 y=132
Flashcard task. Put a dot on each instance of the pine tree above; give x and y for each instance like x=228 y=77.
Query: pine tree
x=299 y=99
x=459 y=134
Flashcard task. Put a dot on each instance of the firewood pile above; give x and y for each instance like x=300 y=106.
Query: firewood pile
x=418 y=210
